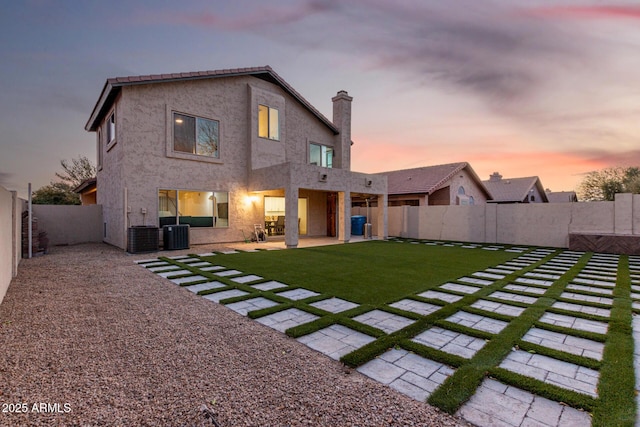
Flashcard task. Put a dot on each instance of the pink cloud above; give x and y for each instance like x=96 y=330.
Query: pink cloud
x=266 y=16
x=588 y=12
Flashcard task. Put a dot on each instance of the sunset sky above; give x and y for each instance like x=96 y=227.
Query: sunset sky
x=524 y=88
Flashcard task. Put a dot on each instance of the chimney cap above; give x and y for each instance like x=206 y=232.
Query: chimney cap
x=342 y=94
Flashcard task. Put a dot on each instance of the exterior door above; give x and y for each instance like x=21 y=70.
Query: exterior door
x=331 y=214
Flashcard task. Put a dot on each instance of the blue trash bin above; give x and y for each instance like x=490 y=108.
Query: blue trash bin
x=357 y=224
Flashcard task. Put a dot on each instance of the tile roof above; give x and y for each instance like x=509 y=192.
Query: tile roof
x=426 y=180
x=113 y=85
x=561 y=196
x=513 y=189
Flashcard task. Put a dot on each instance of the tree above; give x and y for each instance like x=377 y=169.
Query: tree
x=73 y=174
x=76 y=172
x=605 y=183
x=56 y=193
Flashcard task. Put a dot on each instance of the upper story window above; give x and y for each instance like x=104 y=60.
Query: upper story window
x=321 y=155
x=196 y=135
x=268 y=123
x=99 y=149
x=111 y=128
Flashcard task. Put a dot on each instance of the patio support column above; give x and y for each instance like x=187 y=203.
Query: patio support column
x=291 y=217
x=383 y=230
x=344 y=216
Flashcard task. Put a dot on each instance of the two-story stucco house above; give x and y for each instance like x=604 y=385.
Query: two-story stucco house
x=222 y=151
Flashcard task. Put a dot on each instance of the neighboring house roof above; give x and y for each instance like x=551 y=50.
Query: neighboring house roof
x=427 y=180
x=513 y=190
x=86 y=185
x=561 y=196
x=113 y=86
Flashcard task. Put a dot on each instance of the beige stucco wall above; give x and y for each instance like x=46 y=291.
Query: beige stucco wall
x=544 y=224
x=10 y=232
x=70 y=225
x=142 y=160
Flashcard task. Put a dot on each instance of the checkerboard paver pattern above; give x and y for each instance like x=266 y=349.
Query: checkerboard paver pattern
x=589 y=292
x=336 y=340
x=188 y=279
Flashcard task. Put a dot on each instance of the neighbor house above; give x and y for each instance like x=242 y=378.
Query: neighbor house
x=561 y=196
x=449 y=184
x=224 y=151
x=87 y=191
x=515 y=190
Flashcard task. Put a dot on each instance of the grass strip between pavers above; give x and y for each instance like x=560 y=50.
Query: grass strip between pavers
x=617 y=406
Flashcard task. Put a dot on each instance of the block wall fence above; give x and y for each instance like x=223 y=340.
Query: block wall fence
x=539 y=224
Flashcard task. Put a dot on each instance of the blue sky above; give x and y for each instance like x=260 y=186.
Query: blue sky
x=524 y=88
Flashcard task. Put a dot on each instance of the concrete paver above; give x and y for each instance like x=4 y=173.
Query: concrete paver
x=205 y=286
x=407 y=373
x=553 y=371
x=527 y=289
x=510 y=296
x=496 y=404
x=450 y=341
x=269 y=286
x=566 y=343
x=297 y=294
x=336 y=340
x=244 y=307
x=228 y=273
x=218 y=296
x=283 y=320
x=414 y=306
x=188 y=279
x=460 y=288
x=334 y=305
x=496 y=307
x=604 y=312
x=474 y=321
x=388 y=322
x=246 y=279
x=574 y=323
x=442 y=296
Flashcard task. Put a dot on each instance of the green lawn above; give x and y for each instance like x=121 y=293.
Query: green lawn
x=373 y=273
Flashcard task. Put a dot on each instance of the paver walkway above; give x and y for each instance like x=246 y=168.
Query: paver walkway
x=496 y=296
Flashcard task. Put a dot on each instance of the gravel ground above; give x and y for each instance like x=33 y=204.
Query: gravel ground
x=100 y=341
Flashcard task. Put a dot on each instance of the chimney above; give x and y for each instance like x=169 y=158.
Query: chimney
x=342 y=120
x=495 y=177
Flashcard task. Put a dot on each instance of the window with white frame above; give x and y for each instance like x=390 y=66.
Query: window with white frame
x=196 y=135
x=196 y=208
x=268 y=123
x=321 y=155
x=99 y=148
x=111 y=128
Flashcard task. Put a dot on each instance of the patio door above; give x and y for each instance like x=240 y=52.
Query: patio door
x=274 y=209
